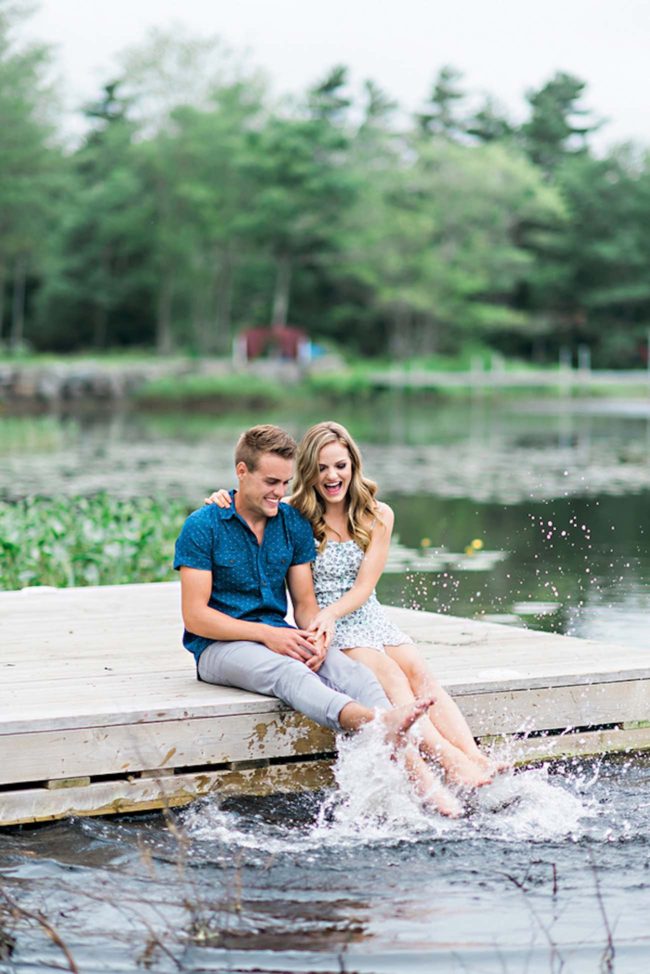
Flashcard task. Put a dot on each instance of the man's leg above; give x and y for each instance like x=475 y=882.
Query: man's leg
x=252 y=666
x=342 y=673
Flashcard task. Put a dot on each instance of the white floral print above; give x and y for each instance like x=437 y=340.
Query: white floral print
x=335 y=571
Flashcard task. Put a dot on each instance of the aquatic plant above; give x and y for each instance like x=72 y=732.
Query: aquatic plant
x=98 y=540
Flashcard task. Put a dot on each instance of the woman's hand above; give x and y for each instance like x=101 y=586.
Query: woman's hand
x=219 y=497
x=297 y=643
x=320 y=653
x=322 y=625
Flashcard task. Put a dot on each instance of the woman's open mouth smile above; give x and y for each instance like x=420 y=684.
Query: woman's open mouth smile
x=333 y=488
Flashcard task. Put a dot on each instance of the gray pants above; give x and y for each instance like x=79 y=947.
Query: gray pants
x=320 y=696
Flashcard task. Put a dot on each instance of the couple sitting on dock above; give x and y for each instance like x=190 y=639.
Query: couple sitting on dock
x=344 y=664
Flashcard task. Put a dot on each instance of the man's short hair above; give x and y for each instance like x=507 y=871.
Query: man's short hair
x=264 y=439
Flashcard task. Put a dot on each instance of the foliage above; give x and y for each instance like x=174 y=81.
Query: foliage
x=557 y=125
x=29 y=173
x=355 y=382
x=445 y=243
x=193 y=388
x=196 y=207
x=441 y=113
x=94 y=266
x=237 y=388
x=87 y=541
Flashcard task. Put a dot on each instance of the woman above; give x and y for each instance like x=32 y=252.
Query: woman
x=353 y=531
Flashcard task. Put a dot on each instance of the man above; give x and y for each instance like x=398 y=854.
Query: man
x=234 y=564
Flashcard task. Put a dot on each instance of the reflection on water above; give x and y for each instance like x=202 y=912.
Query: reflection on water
x=554 y=493
x=25 y=435
x=357 y=881
x=590 y=576
x=490 y=451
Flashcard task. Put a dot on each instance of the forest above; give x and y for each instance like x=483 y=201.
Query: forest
x=194 y=203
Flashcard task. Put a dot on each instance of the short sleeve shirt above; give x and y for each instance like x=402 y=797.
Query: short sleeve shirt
x=248 y=578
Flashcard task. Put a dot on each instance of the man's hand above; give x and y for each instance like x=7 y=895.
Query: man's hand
x=297 y=643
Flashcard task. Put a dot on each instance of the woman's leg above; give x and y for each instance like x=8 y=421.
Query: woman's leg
x=445 y=713
x=399 y=691
x=430 y=790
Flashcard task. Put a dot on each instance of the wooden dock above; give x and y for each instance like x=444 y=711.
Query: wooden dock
x=100 y=710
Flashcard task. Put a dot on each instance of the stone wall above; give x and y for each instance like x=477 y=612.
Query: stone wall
x=63 y=383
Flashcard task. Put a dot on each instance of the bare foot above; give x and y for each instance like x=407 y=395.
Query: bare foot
x=432 y=793
x=399 y=720
x=441 y=800
x=492 y=765
x=463 y=770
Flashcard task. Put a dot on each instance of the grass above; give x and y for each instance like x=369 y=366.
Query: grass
x=253 y=392
x=108 y=357
x=96 y=540
x=194 y=388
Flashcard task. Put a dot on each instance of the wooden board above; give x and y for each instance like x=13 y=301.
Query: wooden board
x=136 y=794
x=94 y=683
x=157 y=746
x=144 y=794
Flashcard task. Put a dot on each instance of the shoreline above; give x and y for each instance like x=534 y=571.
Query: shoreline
x=153 y=385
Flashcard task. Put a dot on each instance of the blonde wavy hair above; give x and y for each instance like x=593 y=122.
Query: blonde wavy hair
x=362 y=508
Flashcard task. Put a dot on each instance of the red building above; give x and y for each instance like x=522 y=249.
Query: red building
x=280 y=342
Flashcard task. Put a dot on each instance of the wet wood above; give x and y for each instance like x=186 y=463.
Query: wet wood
x=94 y=683
x=161 y=791
x=615 y=740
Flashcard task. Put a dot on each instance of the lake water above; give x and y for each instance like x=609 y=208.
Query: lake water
x=555 y=491
x=546 y=868
x=535 y=513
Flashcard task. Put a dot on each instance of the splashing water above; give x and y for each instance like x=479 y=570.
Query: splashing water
x=375 y=803
x=361 y=878
x=374 y=800
x=530 y=807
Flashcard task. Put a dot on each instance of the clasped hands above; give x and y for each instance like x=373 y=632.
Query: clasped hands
x=309 y=645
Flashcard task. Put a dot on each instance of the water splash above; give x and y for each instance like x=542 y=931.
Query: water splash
x=529 y=807
x=375 y=803
x=374 y=800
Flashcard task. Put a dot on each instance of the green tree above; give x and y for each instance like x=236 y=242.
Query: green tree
x=303 y=185
x=490 y=123
x=378 y=109
x=29 y=168
x=334 y=295
x=558 y=124
x=95 y=264
x=217 y=192
x=445 y=244
x=594 y=282
x=440 y=116
x=170 y=79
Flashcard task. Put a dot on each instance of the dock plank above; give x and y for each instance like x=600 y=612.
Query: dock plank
x=127 y=748
x=94 y=684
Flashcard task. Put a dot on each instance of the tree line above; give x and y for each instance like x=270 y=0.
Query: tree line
x=196 y=204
